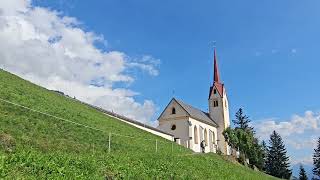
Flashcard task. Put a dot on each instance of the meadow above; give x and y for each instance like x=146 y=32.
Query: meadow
x=37 y=146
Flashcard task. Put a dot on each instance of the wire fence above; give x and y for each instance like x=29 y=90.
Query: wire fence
x=97 y=140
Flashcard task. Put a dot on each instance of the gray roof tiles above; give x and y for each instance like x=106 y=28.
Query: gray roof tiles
x=197 y=113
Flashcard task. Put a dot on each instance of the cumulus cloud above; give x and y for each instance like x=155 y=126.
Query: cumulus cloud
x=302 y=143
x=52 y=50
x=296 y=125
x=299 y=133
x=307 y=160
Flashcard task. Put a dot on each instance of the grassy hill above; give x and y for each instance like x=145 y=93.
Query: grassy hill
x=36 y=146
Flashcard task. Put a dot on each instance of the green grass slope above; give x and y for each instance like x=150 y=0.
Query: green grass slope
x=36 y=146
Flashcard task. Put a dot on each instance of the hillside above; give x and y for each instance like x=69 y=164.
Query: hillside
x=38 y=146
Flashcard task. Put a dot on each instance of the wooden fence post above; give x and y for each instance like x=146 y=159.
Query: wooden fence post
x=109 y=148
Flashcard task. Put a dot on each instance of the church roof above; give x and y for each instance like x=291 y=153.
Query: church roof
x=219 y=87
x=216 y=75
x=196 y=113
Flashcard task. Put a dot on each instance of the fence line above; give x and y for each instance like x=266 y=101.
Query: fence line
x=157 y=145
x=109 y=146
x=43 y=113
x=76 y=123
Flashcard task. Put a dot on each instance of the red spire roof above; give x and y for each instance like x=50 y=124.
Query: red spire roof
x=216 y=76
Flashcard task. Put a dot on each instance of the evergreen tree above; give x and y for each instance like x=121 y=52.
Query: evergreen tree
x=264 y=149
x=242 y=121
x=316 y=161
x=277 y=162
x=302 y=174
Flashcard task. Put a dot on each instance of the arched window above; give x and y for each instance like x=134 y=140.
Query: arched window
x=173 y=111
x=195 y=135
x=213 y=138
x=205 y=136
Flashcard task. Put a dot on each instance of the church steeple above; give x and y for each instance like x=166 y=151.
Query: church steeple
x=217 y=84
x=218 y=106
x=216 y=75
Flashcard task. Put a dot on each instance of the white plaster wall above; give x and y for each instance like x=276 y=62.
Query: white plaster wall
x=211 y=143
x=185 y=128
x=181 y=131
x=220 y=115
x=226 y=119
x=180 y=119
x=167 y=113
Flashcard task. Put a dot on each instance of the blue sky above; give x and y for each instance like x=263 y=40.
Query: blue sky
x=267 y=51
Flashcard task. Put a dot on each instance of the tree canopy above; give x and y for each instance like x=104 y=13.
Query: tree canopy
x=302 y=174
x=242 y=121
x=277 y=161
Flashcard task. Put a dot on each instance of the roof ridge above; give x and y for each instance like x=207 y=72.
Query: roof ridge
x=196 y=113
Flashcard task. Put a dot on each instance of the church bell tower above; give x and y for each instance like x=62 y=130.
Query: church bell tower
x=219 y=107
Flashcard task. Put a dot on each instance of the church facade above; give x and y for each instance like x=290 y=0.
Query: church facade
x=191 y=126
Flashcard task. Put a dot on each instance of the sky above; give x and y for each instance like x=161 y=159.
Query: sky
x=132 y=57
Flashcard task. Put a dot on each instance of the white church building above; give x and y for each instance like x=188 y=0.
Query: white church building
x=190 y=126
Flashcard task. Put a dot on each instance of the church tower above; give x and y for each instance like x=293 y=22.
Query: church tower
x=219 y=107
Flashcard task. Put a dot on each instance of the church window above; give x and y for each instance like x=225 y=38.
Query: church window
x=173 y=127
x=214 y=91
x=195 y=135
x=213 y=138
x=173 y=111
x=205 y=137
x=215 y=103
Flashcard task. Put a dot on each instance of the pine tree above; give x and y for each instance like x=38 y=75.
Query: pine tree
x=316 y=161
x=264 y=148
x=277 y=162
x=242 y=121
x=302 y=174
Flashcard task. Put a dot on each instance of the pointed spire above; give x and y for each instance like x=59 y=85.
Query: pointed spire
x=216 y=76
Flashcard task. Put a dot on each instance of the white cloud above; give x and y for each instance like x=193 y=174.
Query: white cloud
x=53 y=51
x=302 y=143
x=296 y=125
x=307 y=160
x=299 y=134
x=146 y=63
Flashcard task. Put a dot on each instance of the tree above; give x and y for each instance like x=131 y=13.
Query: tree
x=302 y=174
x=264 y=149
x=247 y=144
x=277 y=162
x=316 y=161
x=242 y=121
x=243 y=139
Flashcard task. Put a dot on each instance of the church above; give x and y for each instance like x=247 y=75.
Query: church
x=191 y=126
